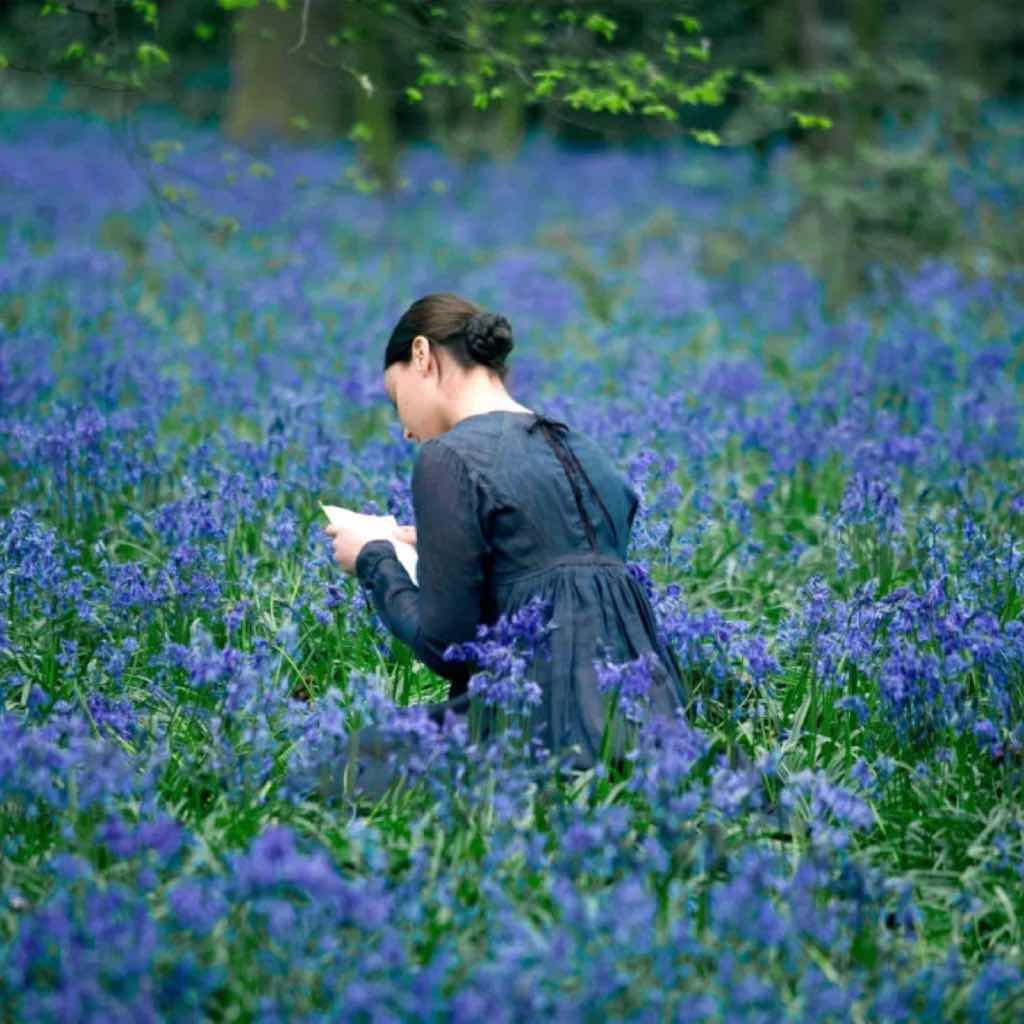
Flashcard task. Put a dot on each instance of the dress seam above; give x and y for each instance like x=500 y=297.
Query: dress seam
x=479 y=483
x=582 y=563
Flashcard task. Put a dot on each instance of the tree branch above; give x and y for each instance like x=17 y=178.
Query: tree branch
x=84 y=82
x=305 y=26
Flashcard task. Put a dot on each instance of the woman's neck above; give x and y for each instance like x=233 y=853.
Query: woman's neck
x=490 y=400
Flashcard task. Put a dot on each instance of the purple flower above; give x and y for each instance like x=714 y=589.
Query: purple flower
x=120 y=716
x=630 y=680
x=503 y=652
x=988 y=735
x=856 y=704
x=198 y=905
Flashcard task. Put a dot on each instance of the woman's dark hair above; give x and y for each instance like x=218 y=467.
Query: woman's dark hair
x=471 y=335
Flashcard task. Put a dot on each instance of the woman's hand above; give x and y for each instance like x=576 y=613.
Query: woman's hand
x=406 y=533
x=349 y=541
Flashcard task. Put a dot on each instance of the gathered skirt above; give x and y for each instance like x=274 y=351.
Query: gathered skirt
x=597 y=606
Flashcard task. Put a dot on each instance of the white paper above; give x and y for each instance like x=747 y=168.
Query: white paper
x=345 y=517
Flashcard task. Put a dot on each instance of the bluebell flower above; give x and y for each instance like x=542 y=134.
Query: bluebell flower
x=503 y=652
x=198 y=905
x=629 y=681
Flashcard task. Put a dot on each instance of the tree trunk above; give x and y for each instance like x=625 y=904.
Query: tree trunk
x=278 y=90
x=375 y=107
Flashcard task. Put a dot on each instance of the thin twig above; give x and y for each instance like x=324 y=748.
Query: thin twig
x=85 y=83
x=360 y=76
x=305 y=25
x=139 y=161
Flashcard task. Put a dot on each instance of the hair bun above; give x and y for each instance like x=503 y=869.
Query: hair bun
x=488 y=338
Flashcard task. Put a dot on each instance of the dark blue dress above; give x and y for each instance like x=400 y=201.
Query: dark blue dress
x=508 y=506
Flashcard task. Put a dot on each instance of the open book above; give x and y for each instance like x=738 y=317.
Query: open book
x=406 y=553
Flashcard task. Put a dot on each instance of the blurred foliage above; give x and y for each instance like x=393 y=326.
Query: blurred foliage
x=903 y=87
x=848 y=82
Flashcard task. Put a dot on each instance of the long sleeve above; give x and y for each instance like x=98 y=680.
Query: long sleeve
x=446 y=606
x=634 y=503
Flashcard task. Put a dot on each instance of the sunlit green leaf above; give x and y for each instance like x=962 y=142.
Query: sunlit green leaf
x=689 y=23
x=361 y=132
x=150 y=54
x=810 y=120
x=74 y=51
x=600 y=25
x=160 y=150
x=706 y=136
x=148 y=10
x=701 y=52
x=659 y=110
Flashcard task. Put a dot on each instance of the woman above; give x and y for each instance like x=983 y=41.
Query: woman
x=508 y=505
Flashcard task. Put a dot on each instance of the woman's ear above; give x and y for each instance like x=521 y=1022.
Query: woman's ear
x=420 y=352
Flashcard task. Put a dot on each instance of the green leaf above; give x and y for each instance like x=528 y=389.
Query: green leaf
x=361 y=132
x=203 y=31
x=840 y=80
x=148 y=10
x=710 y=92
x=363 y=185
x=706 y=136
x=689 y=23
x=413 y=93
x=597 y=100
x=3 y=62
x=432 y=74
x=701 y=52
x=228 y=225
x=548 y=77
x=660 y=110
x=74 y=51
x=759 y=84
x=810 y=120
x=150 y=54
x=160 y=150
x=600 y=25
